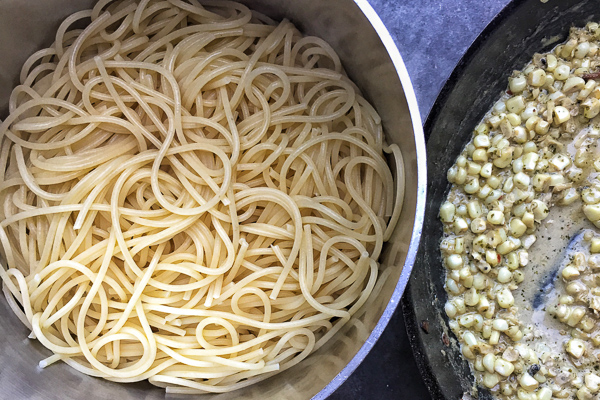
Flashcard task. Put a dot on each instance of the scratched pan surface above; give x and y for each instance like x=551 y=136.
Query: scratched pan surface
x=523 y=28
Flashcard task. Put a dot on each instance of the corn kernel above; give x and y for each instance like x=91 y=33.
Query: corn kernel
x=528 y=382
x=505 y=298
x=570 y=273
x=504 y=275
x=561 y=115
x=490 y=380
x=575 y=347
x=517 y=84
x=595 y=245
x=447 y=211
x=503 y=367
x=573 y=83
x=495 y=217
x=537 y=77
x=454 y=261
x=562 y=72
x=515 y=104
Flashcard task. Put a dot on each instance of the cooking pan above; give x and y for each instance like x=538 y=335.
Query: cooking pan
x=521 y=29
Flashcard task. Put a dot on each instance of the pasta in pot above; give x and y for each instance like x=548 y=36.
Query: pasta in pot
x=191 y=194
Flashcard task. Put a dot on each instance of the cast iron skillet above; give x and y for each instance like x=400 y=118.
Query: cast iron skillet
x=523 y=28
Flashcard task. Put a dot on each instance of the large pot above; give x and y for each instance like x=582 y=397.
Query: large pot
x=373 y=62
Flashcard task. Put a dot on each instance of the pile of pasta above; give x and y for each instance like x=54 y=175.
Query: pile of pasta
x=191 y=194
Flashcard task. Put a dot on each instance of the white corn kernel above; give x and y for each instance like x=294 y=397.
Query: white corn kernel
x=447 y=211
x=505 y=298
x=573 y=83
x=503 y=367
x=481 y=141
x=539 y=209
x=521 y=180
x=471 y=297
x=517 y=84
x=494 y=338
x=581 y=50
x=528 y=382
x=482 y=129
x=542 y=127
x=488 y=362
x=528 y=241
x=570 y=273
x=507 y=246
x=537 y=77
x=575 y=347
x=479 y=281
x=592 y=382
x=454 y=261
x=541 y=182
x=517 y=165
x=474 y=209
x=461 y=176
x=584 y=393
x=466 y=320
x=561 y=115
x=530 y=160
x=551 y=63
x=515 y=104
x=562 y=72
x=495 y=217
x=529 y=115
x=484 y=303
x=473 y=168
x=469 y=339
x=517 y=227
x=467 y=352
x=472 y=186
x=590 y=195
x=500 y=107
x=592 y=212
x=518 y=277
x=486 y=170
x=514 y=119
x=494 y=182
x=587 y=90
x=490 y=380
x=459 y=303
x=500 y=325
x=591 y=108
x=544 y=394
x=452 y=286
x=460 y=225
x=595 y=245
x=512 y=261
x=478 y=225
x=504 y=275
x=520 y=134
x=450 y=310
x=492 y=257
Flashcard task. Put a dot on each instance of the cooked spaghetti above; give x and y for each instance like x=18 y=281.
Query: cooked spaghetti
x=191 y=194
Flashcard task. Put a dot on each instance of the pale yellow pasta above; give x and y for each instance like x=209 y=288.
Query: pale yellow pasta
x=191 y=194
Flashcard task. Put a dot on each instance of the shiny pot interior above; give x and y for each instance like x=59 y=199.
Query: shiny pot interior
x=373 y=62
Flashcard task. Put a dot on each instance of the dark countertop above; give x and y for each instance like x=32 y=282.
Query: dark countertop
x=432 y=36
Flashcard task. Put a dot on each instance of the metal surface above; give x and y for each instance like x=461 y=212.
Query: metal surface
x=523 y=28
x=373 y=62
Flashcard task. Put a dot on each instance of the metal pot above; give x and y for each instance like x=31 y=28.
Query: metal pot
x=373 y=62
x=523 y=28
